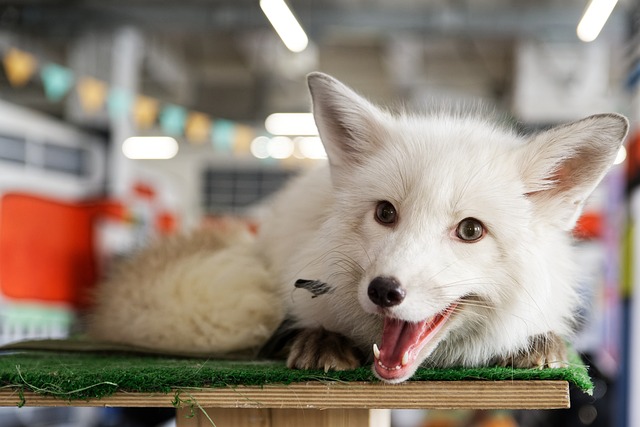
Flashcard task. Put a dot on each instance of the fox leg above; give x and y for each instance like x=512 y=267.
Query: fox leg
x=544 y=351
x=322 y=349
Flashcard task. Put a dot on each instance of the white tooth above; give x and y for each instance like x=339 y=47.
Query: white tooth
x=405 y=358
x=376 y=351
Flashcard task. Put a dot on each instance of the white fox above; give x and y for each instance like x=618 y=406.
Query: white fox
x=439 y=240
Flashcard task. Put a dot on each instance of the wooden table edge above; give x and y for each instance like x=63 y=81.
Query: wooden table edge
x=533 y=394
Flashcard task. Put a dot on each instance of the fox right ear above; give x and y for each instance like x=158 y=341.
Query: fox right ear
x=349 y=125
x=563 y=165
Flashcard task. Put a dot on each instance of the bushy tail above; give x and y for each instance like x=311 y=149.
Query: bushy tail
x=209 y=292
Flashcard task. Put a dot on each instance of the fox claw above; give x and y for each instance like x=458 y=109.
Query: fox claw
x=321 y=349
x=544 y=351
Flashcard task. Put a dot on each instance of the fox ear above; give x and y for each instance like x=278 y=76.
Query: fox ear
x=562 y=166
x=349 y=125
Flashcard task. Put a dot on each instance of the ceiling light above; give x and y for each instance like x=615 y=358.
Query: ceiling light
x=150 y=147
x=285 y=24
x=311 y=147
x=291 y=124
x=280 y=147
x=594 y=18
x=259 y=147
x=621 y=157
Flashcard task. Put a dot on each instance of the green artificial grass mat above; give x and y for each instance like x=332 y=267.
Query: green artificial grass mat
x=92 y=375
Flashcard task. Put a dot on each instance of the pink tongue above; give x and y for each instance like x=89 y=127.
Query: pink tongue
x=398 y=337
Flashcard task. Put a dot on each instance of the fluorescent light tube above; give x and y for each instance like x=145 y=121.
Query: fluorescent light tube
x=150 y=147
x=285 y=24
x=291 y=124
x=594 y=18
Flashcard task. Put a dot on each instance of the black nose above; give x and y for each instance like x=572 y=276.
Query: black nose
x=385 y=291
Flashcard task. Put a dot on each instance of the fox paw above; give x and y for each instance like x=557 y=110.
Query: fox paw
x=321 y=349
x=544 y=351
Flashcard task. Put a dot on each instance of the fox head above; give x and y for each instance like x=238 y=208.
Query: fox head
x=460 y=227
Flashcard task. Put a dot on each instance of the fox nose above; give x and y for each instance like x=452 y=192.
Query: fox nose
x=385 y=291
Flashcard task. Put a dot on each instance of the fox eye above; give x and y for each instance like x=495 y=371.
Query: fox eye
x=470 y=230
x=386 y=213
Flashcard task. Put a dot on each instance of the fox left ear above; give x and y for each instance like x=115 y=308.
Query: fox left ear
x=562 y=166
x=349 y=125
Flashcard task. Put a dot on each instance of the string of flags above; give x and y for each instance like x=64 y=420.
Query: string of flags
x=96 y=95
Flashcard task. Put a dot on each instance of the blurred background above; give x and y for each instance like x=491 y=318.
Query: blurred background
x=125 y=120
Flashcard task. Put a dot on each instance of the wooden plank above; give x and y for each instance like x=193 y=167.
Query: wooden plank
x=379 y=417
x=338 y=395
x=248 y=417
x=318 y=418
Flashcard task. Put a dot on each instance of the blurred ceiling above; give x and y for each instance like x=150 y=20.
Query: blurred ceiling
x=223 y=58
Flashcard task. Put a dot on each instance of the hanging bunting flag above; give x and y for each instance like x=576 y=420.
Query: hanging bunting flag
x=92 y=94
x=19 y=66
x=145 y=111
x=242 y=141
x=57 y=80
x=223 y=135
x=198 y=126
x=119 y=102
x=172 y=119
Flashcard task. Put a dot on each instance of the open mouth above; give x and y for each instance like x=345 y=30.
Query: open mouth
x=402 y=342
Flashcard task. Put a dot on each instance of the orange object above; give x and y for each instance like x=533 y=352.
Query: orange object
x=144 y=191
x=166 y=223
x=589 y=226
x=47 y=249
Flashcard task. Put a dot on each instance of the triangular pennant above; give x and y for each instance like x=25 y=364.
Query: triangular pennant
x=145 y=111
x=119 y=102
x=198 y=126
x=92 y=94
x=242 y=141
x=172 y=119
x=57 y=80
x=19 y=66
x=223 y=135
